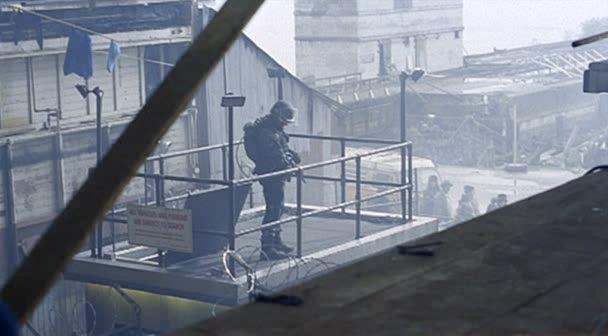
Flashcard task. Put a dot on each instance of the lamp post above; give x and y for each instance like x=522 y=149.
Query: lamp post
x=279 y=74
x=84 y=92
x=231 y=101
x=415 y=75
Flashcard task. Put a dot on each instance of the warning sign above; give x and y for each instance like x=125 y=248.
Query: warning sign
x=169 y=229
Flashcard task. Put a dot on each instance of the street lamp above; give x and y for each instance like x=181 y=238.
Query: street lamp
x=415 y=75
x=84 y=92
x=279 y=74
x=231 y=101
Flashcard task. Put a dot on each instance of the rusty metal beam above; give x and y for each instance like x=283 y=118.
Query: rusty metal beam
x=69 y=230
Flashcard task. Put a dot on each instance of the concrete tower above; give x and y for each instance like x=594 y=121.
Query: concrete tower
x=376 y=37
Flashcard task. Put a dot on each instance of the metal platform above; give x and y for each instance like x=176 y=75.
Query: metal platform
x=327 y=240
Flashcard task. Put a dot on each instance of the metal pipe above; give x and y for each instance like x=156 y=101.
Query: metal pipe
x=113 y=232
x=403 y=182
x=9 y=208
x=363 y=182
x=402 y=126
x=148 y=169
x=158 y=199
x=343 y=174
x=192 y=151
x=232 y=216
x=161 y=173
x=98 y=100
x=231 y=143
x=92 y=237
x=299 y=213
x=294 y=135
x=185 y=179
x=280 y=88
x=319 y=164
x=99 y=151
x=410 y=167
x=347 y=139
x=358 y=199
x=251 y=203
x=319 y=211
x=224 y=164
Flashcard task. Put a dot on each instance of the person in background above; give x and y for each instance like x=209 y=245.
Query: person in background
x=429 y=197
x=497 y=202
x=468 y=207
x=470 y=191
x=442 y=202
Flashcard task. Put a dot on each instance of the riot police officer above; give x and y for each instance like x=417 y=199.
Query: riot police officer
x=273 y=154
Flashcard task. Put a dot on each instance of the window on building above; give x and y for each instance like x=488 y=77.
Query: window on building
x=457 y=34
x=406 y=41
x=400 y=4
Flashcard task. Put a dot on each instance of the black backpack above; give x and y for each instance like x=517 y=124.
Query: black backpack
x=250 y=141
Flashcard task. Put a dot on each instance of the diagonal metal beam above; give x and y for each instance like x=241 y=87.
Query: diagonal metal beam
x=69 y=230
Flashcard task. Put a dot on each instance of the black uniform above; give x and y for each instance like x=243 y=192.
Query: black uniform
x=273 y=155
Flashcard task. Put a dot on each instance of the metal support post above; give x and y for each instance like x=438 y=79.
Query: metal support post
x=157 y=187
x=403 y=138
x=113 y=232
x=224 y=165
x=402 y=116
x=93 y=236
x=251 y=197
x=148 y=169
x=232 y=216
x=358 y=199
x=9 y=209
x=98 y=100
x=404 y=182
x=99 y=151
x=280 y=88
x=416 y=192
x=299 y=212
x=343 y=174
x=410 y=214
x=231 y=143
x=161 y=172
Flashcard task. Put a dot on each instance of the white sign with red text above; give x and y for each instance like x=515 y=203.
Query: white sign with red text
x=169 y=229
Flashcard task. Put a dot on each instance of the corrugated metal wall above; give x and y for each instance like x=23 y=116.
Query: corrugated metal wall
x=31 y=83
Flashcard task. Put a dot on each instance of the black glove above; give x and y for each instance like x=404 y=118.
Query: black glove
x=295 y=157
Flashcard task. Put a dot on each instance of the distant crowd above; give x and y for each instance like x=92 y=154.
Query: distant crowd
x=435 y=202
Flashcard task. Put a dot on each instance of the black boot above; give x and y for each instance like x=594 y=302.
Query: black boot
x=269 y=250
x=279 y=245
x=270 y=254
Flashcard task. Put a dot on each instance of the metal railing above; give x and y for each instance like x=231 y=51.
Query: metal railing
x=404 y=187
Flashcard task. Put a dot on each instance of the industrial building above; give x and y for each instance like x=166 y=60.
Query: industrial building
x=523 y=105
x=370 y=39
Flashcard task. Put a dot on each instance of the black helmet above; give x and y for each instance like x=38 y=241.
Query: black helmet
x=284 y=111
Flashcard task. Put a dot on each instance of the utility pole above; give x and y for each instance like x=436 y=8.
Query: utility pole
x=515 y=131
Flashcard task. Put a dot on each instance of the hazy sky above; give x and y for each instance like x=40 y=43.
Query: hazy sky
x=488 y=24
